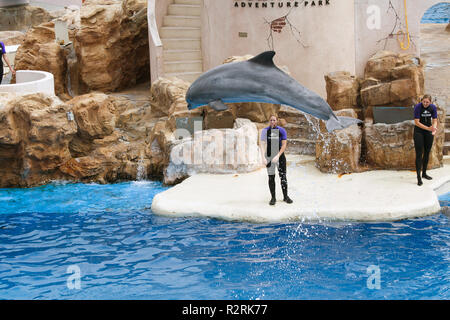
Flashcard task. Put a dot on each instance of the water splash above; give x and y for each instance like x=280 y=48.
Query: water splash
x=141 y=169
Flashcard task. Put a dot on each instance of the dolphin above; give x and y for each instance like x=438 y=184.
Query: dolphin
x=259 y=80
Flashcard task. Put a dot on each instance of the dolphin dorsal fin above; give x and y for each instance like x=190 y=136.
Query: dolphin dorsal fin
x=265 y=58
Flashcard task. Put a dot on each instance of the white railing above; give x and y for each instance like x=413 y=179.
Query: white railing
x=31 y=81
x=155 y=44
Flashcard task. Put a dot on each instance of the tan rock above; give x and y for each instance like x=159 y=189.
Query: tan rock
x=342 y=90
x=376 y=95
x=339 y=151
x=95 y=114
x=39 y=51
x=380 y=65
x=35 y=140
x=402 y=92
x=112 y=45
x=365 y=83
x=167 y=96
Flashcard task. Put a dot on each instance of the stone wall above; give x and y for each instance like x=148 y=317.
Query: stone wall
x=390 y=79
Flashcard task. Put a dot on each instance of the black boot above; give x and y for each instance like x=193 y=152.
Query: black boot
x=424 y=175
x=419 y=181
x=272 y=189
x=284 y=187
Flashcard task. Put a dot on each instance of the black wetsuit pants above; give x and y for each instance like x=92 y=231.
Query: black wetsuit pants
x=423 y=141
x=1 y=70
x=282 y=173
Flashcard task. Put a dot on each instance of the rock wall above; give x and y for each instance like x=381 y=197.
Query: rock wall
x=39 y=51
x=109 y=51
x=392 y=79
x=105 y=141
x=34 y=139
x=112 y=44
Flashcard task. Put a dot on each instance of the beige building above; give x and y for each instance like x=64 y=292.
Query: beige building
x=311 y=38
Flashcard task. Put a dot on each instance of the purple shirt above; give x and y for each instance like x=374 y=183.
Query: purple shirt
x=283 y=134
x=2 y=49
x=432 y=110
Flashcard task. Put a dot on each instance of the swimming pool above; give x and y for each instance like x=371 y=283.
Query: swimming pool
x=90 y=241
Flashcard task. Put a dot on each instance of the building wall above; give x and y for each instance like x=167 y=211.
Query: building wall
x=325 y=42
x=323 y=38
x=369 y=39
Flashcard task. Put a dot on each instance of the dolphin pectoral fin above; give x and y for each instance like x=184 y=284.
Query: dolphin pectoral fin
x=218 y=105
x=340 y=123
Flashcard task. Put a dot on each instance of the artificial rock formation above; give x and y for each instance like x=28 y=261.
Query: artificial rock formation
x=109 y=48
x=112 y=44
x=215 y=151
x=342 y=90
x=392 y=79
x=34 y=139
x=391 y=146
x=40 y=141
x=39 y=51
x=110 y=141
x=339 y=151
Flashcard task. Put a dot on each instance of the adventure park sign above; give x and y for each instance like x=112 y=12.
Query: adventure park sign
x=280 y=3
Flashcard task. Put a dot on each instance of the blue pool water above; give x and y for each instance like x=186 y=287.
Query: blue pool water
x=108 y=236
x=439 y=13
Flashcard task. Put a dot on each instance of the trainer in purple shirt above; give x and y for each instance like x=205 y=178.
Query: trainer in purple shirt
x=425 y=120
x=273 y=144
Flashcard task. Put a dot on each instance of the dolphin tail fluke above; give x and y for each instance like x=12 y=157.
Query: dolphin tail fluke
x=336 y=123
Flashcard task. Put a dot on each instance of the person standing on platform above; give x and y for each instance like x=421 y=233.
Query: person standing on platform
x=425 y=120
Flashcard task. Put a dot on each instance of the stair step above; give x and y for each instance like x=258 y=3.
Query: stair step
x=181 y=21
x=178 y=44
x=182 y=55
x=184 y=9
x=180 y=32
x=186 y=76
x=183 y=66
